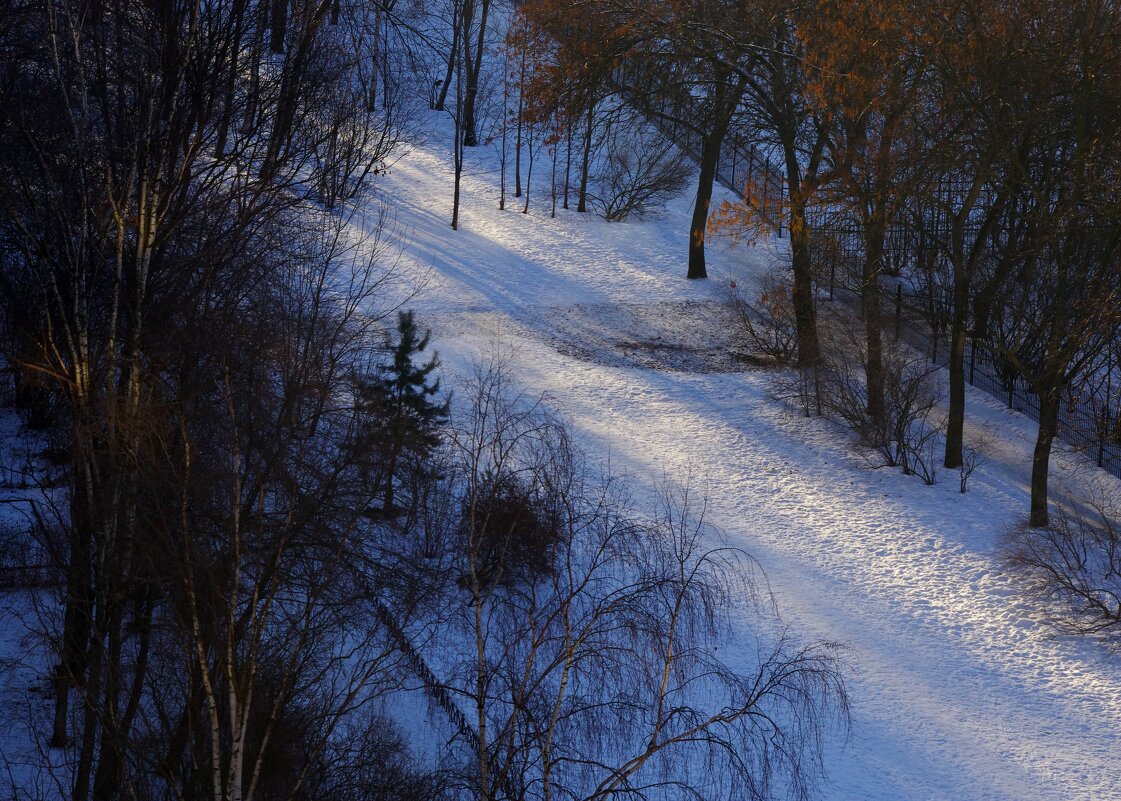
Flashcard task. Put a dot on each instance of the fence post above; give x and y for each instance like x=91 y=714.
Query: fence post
x=781 y=203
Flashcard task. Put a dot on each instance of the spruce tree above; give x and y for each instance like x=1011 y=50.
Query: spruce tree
x=403 y=407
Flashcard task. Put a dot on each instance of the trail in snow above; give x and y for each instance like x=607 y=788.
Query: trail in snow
x=958 y=694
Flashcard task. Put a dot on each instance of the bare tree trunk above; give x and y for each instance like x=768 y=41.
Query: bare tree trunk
x=77 y=617
x=375 y=60
x=231 y=74
x=805 y=313
x=518 y=146
x=567 y=161
x=529 y=173
x=582 y=203
x=253 y=93
x=453 y=58
x=1040 y=464
x=955 y=421
x=873 y=318
x=457 y=151
x=278 y=26
x=553 y=184
x=473 y=62
x=698 y=228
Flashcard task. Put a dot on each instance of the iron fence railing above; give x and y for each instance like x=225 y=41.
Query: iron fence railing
x=1088 y=422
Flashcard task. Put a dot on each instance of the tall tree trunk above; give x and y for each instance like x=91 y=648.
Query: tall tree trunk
x=582 y=200
x=955 y=421
x=567 y=161
x=449 y=73
x=725 y=101
x=805 y=315
x=228 y=95
x=529 y=172
x=375 y=60
x=553 y=183
x=107 y=778
x=710 y=154
x=457 y=151
x=473 y=62
x=873 y=318
x=253 y=93
x=1040 y=463
x=278 y=25
x=518 y=142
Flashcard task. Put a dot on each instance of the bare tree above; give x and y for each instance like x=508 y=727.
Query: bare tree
x=1073 y=568
x=595 y=671
x=159 y=177
x=640 y=171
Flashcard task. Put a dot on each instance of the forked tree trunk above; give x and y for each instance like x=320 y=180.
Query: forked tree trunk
x=473 y=62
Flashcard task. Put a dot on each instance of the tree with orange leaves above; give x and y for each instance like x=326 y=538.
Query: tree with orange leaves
x=862 y=63
x=576 y=48
x=794 y=126
x=669 y=59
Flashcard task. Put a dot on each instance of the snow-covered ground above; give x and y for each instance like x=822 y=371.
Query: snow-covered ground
x=958 y=694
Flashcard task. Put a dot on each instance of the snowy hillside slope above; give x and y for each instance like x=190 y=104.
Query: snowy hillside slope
x=958 y=694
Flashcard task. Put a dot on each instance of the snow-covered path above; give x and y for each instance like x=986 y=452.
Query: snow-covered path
x=957 y=693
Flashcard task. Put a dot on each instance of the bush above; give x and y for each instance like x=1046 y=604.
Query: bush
x=511 y=529
x=906 y=434
x=369 y=760
x=764 y=317
x=641 y=171
x=1073 y=568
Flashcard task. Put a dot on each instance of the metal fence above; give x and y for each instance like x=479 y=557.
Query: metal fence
x=1089 y=422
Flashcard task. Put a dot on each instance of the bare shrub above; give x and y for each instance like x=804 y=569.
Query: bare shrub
x=764 y=315
x=973 y=457
x=907 y=433
x=911 y=399
x=369 y=760
x=639 y=173
x=510 y=463
x=1073 y=568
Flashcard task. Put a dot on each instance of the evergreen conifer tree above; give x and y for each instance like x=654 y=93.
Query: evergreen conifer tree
x=403 y=408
